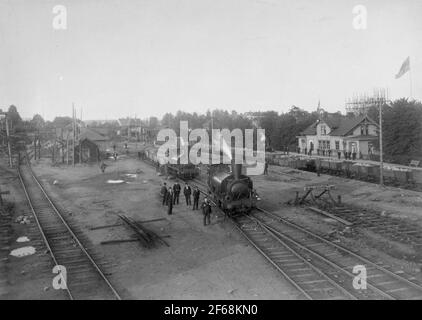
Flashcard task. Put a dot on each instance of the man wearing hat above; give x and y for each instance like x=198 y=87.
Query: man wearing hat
x=206 y=210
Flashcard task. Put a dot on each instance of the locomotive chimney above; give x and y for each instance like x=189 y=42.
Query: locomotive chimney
x=236 y=170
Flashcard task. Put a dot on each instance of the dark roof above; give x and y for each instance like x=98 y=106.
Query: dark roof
x=310 y=131
x=348 y=124
x=338 y=126
x=101 y=131
x=89 y=134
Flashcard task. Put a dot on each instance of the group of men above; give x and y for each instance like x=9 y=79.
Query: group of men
x=171 y=197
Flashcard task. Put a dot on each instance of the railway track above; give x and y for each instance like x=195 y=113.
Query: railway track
x=337 y=260
x=291 y=176
x=318 y=268
x=309 y=280
x=390 y=227
x=85 y=279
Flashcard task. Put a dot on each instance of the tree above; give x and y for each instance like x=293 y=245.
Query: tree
x=153 y=122
x=37 y=122
x=168 y=121
x=14 y=117
x=402 y=131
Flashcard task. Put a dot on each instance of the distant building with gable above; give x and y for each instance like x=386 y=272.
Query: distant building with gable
x=338 y=133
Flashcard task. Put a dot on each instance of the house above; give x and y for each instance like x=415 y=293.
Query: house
x=349 y=134
x=138 y=129
x=92 y=144
x=130 y=128
x=106 y=132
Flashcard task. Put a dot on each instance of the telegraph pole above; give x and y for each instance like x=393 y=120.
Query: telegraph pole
x=67 y=148
x=381 y=151
x=8 y=141
x=74 y=133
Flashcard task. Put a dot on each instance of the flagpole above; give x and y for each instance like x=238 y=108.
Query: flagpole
x=381 y=149
x=410 y=79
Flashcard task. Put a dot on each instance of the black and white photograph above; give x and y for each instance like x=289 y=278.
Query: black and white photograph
x=210 y=155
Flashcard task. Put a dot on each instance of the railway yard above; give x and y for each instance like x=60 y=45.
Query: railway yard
x=113 y=235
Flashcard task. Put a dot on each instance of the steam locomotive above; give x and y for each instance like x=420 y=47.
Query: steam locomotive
x=231 y=191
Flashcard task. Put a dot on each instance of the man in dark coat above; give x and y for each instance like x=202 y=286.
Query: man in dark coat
x=170 y=199
x=206 y=210
x=187 y=191
x=176 y=189
x=164 y=193
x=196 y=195
x=266 y=167
x=103 y=167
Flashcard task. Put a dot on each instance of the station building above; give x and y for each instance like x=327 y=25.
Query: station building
x=345 y=134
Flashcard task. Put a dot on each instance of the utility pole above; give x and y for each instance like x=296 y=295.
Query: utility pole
x=62 y=145
x=35 y=147
x=8 y=142
x=74 y=133
x=67 y=148
x=80 y=151
x=381 y=151
x=39 y=145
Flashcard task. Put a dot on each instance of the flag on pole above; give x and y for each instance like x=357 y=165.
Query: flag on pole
x=404 y=68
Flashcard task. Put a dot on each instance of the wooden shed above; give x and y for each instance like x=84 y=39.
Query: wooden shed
x=92 y=145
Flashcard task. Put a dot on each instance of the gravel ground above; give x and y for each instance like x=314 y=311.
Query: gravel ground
x=212 y=262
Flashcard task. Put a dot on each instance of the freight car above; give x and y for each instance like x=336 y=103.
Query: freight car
x=183 y=171
x=393 y=175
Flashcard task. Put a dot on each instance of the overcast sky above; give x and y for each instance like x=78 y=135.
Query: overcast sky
x=147 y=57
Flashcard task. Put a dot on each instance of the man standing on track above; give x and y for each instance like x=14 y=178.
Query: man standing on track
x=196 y=195
x=206 y=210
x=170 y=199
x=187 y=191
x=176 y=189
x=164 y=193
x=103 y=166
